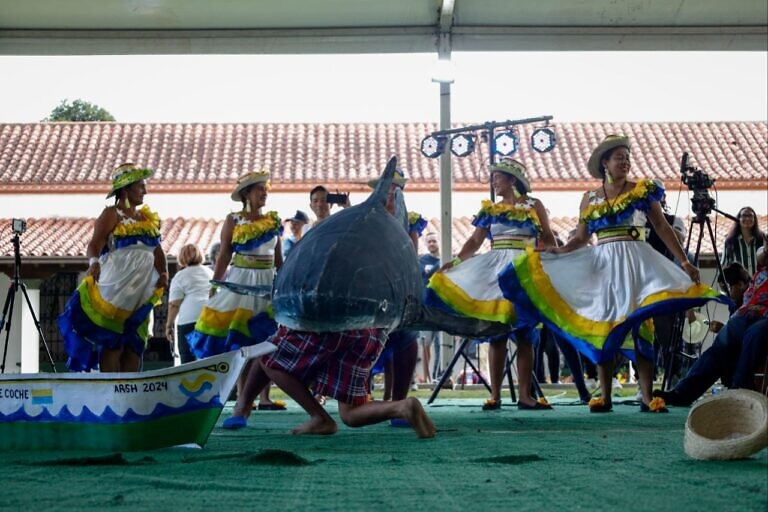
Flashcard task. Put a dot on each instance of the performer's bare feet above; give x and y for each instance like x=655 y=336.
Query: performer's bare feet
x=414 y=413
x=316 y=425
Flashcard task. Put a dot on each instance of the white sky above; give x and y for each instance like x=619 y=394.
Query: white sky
x=571 y=86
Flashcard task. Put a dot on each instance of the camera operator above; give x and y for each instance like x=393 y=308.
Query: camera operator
x=321 y=202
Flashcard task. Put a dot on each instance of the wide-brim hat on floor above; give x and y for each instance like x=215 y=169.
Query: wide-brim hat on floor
x=246 y=180
x=513 y=168
x=595 y=160
x=398 y=179
x=299 y=216
x=127 y=173
x=729 y=425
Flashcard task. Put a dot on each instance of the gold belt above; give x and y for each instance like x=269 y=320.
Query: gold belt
x=251 y=261
x=513 y=243
x=620 y=234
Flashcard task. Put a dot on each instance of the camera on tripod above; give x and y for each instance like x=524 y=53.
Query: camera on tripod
x=699 y=183
x=19 y=226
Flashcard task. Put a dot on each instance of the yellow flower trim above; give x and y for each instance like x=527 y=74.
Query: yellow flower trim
x=242 y=233
x=493 y=310
x=413 y=217
x=149 y=227
x=641 y=190
x=657 y=404
x=545 y=298
x=510 y=211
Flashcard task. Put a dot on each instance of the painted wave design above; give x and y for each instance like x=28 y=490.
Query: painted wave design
x=204 y=387
x=109 y=416
x=197 y=387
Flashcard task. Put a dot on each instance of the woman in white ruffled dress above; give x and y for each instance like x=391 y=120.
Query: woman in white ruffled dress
x=250 y=241
x=601 y=298
x=105 y=323
x=469 y=284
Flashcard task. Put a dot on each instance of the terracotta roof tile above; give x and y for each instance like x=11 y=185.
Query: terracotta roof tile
x=80 y=156
x=68 y=237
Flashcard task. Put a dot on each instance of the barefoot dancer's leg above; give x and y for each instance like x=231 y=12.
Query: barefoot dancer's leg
x=369 y=413
x=255 y=380
x=320 y=422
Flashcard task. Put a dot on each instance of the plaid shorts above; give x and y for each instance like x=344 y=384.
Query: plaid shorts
x=338 y=362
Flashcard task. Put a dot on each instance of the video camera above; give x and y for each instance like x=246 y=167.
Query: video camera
x=19 y=226
x=699 y=183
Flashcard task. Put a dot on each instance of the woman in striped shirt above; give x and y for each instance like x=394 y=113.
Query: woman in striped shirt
x=743 y=241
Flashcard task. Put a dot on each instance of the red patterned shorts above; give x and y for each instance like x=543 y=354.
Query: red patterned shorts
x=338 y=362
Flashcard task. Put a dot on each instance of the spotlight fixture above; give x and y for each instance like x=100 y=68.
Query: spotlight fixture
x=463 y=144
x=433 y=146
x=506 y=143
x=543 y=140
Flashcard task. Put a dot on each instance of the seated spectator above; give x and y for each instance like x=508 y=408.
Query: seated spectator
x=737 y=349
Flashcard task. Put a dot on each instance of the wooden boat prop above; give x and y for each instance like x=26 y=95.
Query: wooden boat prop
x=119 y=411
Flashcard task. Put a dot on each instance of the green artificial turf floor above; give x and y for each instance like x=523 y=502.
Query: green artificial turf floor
x=566 y=459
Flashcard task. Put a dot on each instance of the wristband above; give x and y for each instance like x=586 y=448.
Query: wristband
x=92 y=260
x=456 y=262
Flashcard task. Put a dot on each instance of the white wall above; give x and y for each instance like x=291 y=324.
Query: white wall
x=23 y=339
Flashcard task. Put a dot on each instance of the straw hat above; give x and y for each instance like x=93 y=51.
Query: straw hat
x=610 y=142
x=125 y=174
x=513 y=168
x=729 y=425
x=246 y=180
x=695 y=332
x=398 y=179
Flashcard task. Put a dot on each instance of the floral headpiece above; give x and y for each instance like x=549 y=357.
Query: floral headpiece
x=127 y=173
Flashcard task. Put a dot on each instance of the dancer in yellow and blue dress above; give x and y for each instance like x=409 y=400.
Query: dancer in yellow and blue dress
x=106 y=320
x=601 y=298
x=469 y=285
x=250 y=241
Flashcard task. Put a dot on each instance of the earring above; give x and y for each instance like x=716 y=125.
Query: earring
x=516 y=192
x=608 y=178
x=247 y=207
x=127 y=203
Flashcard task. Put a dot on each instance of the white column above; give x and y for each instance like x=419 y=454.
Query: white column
x=446 y=208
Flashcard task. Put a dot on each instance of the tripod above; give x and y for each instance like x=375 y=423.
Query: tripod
x=674 y=355
x=10 y=298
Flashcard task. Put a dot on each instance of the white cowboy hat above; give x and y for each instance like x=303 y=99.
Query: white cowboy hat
x=595 y=160
x=247 y=180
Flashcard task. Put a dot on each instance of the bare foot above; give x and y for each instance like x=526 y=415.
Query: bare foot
x=414 y=413
x=316 y=425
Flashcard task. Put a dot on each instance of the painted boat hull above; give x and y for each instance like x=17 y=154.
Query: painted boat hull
x=119 y=411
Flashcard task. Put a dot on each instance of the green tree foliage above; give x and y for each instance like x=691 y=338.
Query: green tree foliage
x=78 y=110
